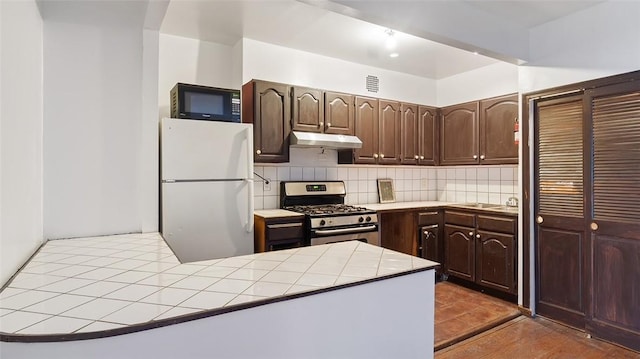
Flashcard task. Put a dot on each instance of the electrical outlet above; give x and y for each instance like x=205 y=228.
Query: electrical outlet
x=266 y=186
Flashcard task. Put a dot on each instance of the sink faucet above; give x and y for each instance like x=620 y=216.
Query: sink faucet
x=512 y=202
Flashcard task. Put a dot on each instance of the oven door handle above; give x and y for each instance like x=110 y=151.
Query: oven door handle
x=329 y=232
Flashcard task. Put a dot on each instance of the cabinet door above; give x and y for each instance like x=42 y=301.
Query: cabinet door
x=267 y=106
x=427 y=136
x=459 y=134
x=389 y=132
x=308 y=110
x=430 y=246
x=460 y=251
x=495 y=261
x=497 y=120
x=366 y=127
x=338 y=113
x=409 y=134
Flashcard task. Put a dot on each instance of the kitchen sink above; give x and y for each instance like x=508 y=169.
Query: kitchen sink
x=497 y=207
x=481 y=205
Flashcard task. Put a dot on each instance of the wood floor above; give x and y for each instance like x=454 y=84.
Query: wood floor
x=531 y=338
x=461 y=313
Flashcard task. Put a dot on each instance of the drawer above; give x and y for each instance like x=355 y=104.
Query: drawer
x=497 y=224
x=432 y=217
x=459 y=218
x=280 y=231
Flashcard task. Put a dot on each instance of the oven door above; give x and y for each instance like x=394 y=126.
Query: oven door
x=367 y=234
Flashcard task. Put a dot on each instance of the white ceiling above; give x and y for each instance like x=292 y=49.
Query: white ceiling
x=321 y=27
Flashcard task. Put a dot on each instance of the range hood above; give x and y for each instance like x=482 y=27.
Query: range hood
x=310 y=139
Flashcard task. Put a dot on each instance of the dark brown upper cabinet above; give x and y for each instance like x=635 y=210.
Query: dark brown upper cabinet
x=419 y=137
x=409 y=134
x=339 y=113
x=497 y=119
x=322 y=112
x=480 y=132
x=308 y=110
x=366 y=129
x=459 y=134
x=267 y=106
x=389 y=132
x=377 y=124
x=428 y=138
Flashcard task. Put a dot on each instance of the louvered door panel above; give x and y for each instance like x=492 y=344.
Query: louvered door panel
x=616 y=158
x=561 y=244
x=561 y=159
x=615 y=221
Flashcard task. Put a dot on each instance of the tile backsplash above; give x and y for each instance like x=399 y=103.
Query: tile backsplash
x=487 y=184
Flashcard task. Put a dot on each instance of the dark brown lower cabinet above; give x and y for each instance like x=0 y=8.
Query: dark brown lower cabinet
x=460 y=252
x=495 y=261
x=272 y=234
x=430 y=239
x=397 y=231
x=417 y=232
x=481 y=249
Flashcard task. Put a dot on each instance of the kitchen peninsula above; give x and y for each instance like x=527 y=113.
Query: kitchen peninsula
x=128 y=296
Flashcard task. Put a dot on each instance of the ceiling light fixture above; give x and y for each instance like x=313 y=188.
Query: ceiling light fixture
x=390 y=43
x=394 y=54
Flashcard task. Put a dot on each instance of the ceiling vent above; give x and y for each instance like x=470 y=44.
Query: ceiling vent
x=373 y=83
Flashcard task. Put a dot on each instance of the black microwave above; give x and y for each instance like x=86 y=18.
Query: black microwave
x=205 y=103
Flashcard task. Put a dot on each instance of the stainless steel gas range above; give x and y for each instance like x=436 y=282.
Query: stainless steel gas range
x=327 y=218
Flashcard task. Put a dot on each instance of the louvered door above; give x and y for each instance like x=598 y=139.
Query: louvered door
x=560 y=207
x=614 y=221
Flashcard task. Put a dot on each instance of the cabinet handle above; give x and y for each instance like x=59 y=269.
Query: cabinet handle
x=478 y=236
x=539 y=219
x=422 y=157
x=416 y=157
x=258 y=152
x=328 y=124
x=482 y=157
x=381 y=155
x=375 y=155
x=594 y=226
x=475 y=157
x=470 y=234
x=321 y=124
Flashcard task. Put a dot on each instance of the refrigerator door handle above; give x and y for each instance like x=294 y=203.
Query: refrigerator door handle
x=249 y=183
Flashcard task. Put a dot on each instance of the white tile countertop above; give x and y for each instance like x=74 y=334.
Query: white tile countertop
x=99 y=284
x=405 y=205
x=277 y=213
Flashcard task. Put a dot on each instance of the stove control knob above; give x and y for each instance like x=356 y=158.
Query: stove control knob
x=361 y=219
x=322 y=222
x=368 y=219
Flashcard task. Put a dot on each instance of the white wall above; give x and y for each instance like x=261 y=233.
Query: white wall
x=20 y=134
x=489 y=81
x=276 y=63
x=192 y=61
x=599 y=41
x=92 y=121
x=148 y=184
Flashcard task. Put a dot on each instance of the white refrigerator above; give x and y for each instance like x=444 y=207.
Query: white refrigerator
x=206 y=170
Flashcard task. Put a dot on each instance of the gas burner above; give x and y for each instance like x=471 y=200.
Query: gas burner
x=331 y=209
